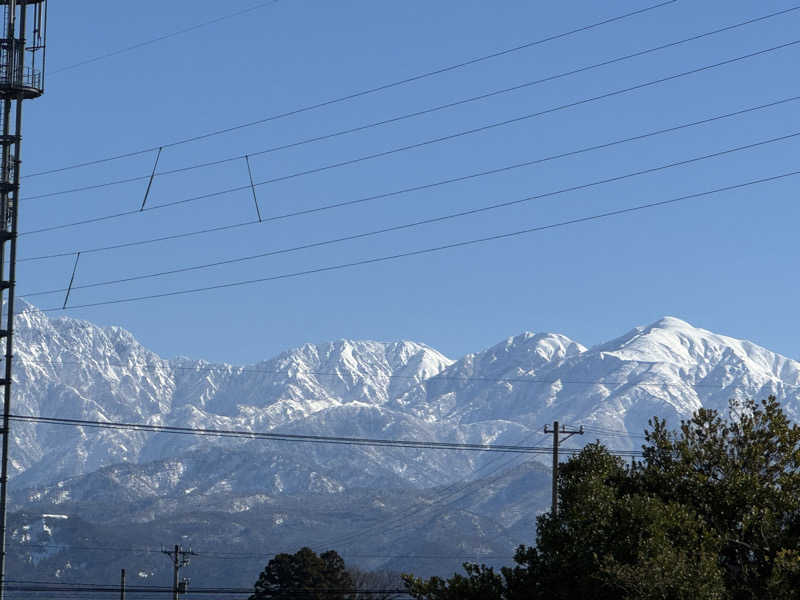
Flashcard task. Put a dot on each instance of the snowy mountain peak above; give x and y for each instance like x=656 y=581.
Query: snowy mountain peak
x=669 y=322
x=71 y=368
x=674 y=341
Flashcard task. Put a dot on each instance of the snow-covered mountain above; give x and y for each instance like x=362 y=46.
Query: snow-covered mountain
x=668 y=369
x=191 y=486
x=74 y=369
x=403 y=390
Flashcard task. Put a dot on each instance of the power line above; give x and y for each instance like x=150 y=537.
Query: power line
x=160 y=38
x=452 y=490
x=231 y=555
x=141 y=589
x=287 y=437
x=608 y=432
x=427 y=186
x=361 y=93
x=396 y=119
x=424 y=251
x=414 y=224
x=142 y=242
x=467 y=379
x=418 y=144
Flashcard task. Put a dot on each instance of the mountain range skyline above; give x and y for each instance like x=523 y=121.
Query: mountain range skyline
x=67 y=480
x=73 y=369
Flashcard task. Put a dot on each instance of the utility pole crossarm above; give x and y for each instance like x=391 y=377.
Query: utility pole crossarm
x=566 y=433
x=180 y=559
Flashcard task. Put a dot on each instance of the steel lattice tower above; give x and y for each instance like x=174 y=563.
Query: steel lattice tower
x=22 y=61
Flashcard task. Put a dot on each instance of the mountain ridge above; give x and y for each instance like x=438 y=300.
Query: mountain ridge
x=281 y=493
x=71 y=368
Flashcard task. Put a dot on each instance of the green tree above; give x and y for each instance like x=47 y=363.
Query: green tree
x=711 y=512
x=304 y=574
x=741 y=475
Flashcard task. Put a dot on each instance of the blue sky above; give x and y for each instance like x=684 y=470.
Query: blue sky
x=726 y=262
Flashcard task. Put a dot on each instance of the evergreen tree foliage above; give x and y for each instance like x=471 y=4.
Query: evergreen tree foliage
x=712 y=511
x=304 y=574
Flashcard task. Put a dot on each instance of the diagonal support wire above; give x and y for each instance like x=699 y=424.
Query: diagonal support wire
x=252 y=186
x=152 y=175
x=72 y=279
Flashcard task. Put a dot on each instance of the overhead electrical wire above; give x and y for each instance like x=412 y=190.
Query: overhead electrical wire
x=430 y=512
x=418 y=223
x=457 y=488
x=64 y=587
x=449 y=137
x=449 y=493
x=160 y=38
x=360 y=93
x=421 y=187
x=396 y=119
x=200 y=554
x=424 y=251
x=288 y=437
x=233 y=370
x=399 y=522
x=609 y=432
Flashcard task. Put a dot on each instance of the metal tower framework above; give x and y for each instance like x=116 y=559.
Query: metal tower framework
x=22 y=62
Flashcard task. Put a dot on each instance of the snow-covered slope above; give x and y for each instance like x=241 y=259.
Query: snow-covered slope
x=70 y=368
x=400 y=390
x=667 y=369
x=281 y=495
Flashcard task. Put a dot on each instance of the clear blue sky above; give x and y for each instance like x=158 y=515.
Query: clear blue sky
x=727 y=262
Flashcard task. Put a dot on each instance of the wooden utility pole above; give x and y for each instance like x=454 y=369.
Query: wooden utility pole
x=122 y=585
x=179 y=560
x=566 y=435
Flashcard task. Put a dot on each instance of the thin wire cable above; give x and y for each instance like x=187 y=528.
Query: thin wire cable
x=233 y=370
x=288 y=437
x=145 y=589
x=449 y=492
x=406 y=116
x=443 y=247
x=428 y=142
x=609 y=432
x=160 y=38
x=426 y=186
x=361 y=93
x=164 y=238
x=415 y=224
x=200 y=554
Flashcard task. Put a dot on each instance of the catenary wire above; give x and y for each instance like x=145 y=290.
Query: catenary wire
x=418 y=223
x=160 y=38
x=416 y=145
x=418 y=187
x=424 y=251
x=361 y=93
x=396 y=119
